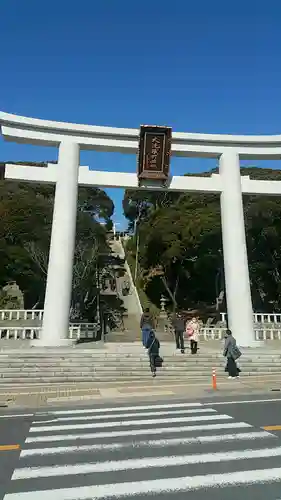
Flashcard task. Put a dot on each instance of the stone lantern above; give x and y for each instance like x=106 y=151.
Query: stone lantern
x=163 y=313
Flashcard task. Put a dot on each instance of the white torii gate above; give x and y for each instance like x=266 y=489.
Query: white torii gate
x=67 y=174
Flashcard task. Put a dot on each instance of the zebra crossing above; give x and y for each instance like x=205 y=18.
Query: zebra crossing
x=145 y=451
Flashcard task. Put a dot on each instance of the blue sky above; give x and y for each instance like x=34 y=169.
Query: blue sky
x=196 y=66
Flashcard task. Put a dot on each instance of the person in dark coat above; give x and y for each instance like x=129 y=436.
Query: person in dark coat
x=146 y=325
x=178 y=323
x=232 y=353
x=153 y=346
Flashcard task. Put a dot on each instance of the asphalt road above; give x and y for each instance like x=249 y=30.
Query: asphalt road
x=214 y=449
x=13 y=431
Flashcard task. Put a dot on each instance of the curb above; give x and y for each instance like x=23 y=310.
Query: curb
x=43 y=391
x=48 y=396
x=147 y=396
x=249 y=382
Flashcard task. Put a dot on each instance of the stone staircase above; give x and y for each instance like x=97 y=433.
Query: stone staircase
x=131 y=333
x=131 y=301
x=125 y=364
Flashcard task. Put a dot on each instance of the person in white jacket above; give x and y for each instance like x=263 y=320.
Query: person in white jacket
x=192 y=331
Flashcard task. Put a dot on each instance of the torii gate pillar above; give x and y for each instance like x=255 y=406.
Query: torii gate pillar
x=55 y=326
x=236 y=270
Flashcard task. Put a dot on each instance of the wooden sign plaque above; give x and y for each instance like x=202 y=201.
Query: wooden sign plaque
x=154 y=152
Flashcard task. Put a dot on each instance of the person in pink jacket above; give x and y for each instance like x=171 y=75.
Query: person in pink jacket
x=192 y=331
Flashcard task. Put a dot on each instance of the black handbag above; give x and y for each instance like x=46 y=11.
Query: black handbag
x=236 y=353
x=158 y=361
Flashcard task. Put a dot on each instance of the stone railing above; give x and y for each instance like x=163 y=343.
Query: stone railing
x=269 y=332
x=21 y=315
x=212 y=333
x=26 y=324
x=272 y=332
x=37 y=315
x=260 y=317
x=77 y=331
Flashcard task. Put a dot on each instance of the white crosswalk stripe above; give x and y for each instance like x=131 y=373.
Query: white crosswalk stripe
x=144 y=451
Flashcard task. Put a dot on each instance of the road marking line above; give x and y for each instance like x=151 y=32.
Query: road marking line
x=137 y=432
x=272 y=428
x=127 y=423
x=142 y=463
x=126 y=415
x=168 y=485
x=160 y=443
x=124 y=408
x=275 y=400
x=17 y=416
x=9 y=447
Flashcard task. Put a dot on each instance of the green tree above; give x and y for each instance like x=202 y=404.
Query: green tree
x=26 y=220
x=181 y=248
x=137 y=205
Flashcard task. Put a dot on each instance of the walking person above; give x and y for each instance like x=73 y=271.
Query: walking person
x=178 y=323
x=146 y=325
x=153 y=346
x=232 y=353
x=192 y=331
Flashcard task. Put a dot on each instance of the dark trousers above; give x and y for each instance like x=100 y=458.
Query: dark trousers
x=232 y=368
x=152 y=358
x=193 y=346
x=179 y=340
x=145 y=334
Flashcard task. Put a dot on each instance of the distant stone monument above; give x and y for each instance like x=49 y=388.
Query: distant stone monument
x=163 y=322
x=163 y=313
x=11 y=296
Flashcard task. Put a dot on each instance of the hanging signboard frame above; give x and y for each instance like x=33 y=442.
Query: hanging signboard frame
x=154 y=152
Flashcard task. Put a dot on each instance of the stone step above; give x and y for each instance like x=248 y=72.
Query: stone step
x=108 y=358
x=80 y=350
x=106 y=363
x=137 y=369
x=115 y=374
x=169 y=371
x=131 y=361
x=118 y=366
x=172 y=366
x=140 y=366
x=126 y=364
x=127 y=336
x=127 y=357
x=121 y=355
x=125 y=378
x=96 y=347
x=140 y=382
x=104 y=360
x=122 y=380
x=109 y=365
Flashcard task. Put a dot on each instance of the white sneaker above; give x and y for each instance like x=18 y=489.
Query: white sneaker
x=229 y=377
